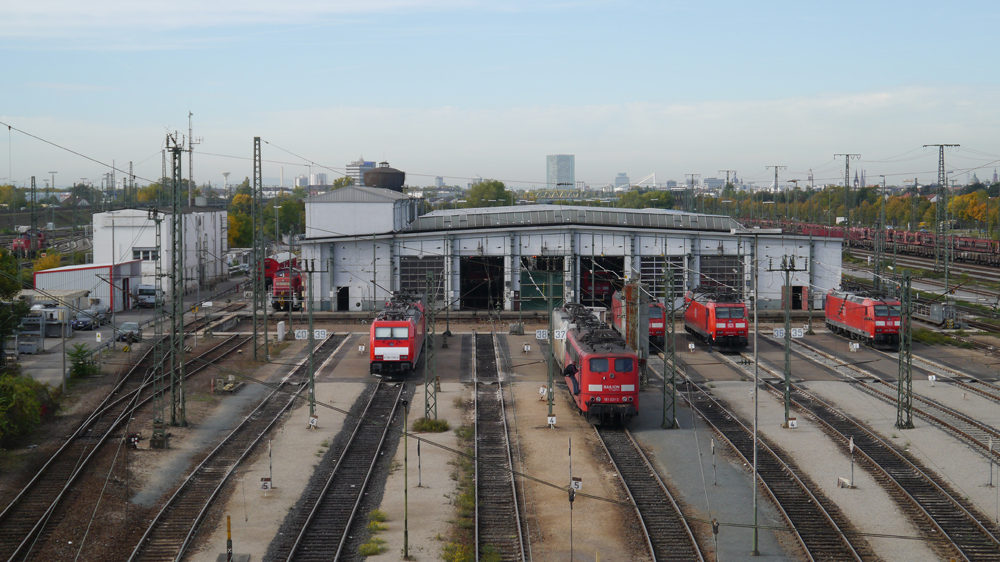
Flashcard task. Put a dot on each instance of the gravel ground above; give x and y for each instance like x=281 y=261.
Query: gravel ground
x=868 y=506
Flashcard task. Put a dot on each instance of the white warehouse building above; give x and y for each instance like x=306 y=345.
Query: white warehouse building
x=130 y=234
x=369 y=243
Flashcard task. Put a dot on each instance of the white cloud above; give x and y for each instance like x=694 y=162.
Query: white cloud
x=667 y=138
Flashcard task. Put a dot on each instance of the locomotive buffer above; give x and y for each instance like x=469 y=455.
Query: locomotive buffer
x=788 y=266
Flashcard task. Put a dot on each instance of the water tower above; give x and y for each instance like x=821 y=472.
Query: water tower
x=225 y=182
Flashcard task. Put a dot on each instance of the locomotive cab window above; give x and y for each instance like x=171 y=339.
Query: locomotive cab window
x=400 y=333
x=623 y=365
x=881 y=311
x=599 y=365
x=655 y=312
x=894 y=311
x=721 y=312
x=736 y=312
x=383 y=333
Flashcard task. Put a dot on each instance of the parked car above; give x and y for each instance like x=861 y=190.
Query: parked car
x=129 y=331
x=100 y=312
x=84 y=321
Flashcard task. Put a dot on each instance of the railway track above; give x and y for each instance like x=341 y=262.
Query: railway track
x=325 y=521
x=816 y=523
x=927 y=499
x=173 y=529
x=977 y=434
x=203 y=322
x=499 y=524
x=38 y=507
x=936 y=509
x=668 y=535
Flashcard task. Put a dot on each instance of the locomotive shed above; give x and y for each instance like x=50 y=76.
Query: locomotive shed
x=373 y=242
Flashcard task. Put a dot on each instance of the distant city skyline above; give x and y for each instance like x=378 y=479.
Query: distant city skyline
x=486 y=89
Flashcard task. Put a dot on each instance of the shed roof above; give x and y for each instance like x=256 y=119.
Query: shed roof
x=358 y=194
x=84 y=266
x=540 y=215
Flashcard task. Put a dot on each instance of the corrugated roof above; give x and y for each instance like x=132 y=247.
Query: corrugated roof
x=358 y=194
x=84 y=266
x=539 y=215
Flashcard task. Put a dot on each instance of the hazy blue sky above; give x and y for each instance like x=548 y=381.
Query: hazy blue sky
x=459 y=88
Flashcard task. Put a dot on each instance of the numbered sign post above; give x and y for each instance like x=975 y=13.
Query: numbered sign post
x=318 y=335
x=552 y=420
x=798 y=333
x=301 y=334
x=265 y=484
x=559 y=335
x=779 y=332
x=541 y=334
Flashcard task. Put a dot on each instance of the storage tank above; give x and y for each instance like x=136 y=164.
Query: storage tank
x=385 y=177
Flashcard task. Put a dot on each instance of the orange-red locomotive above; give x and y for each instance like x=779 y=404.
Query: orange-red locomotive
x=397 y=336
x=657 y=314
x=718 y=319
x=871 y=320
x=602 y=373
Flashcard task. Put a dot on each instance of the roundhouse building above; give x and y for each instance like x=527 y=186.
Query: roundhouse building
x=368 y=242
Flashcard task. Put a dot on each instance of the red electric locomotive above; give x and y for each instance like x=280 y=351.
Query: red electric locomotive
x=602 y=373
x=288 y=290
x=657 y=314
x=871 y=320
x=718 y=319
x=397 y=337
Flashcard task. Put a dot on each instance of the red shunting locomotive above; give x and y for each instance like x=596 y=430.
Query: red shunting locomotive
x=657 y=315
x=397 y=337
x=602 y=373
x=871 y=320
x=718 y=319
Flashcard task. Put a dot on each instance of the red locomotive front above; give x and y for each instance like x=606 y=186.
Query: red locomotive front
x=657 y=314
x=871 y=320
x=601 y=372
x=396 y=337
x=719 y=320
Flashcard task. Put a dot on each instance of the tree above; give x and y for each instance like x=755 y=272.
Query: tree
x=488 y=193
x=24 y=402
x=343 y=182
x=50 y=261
x=240 y=231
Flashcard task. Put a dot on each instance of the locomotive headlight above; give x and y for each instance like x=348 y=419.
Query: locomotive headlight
x=597 y=399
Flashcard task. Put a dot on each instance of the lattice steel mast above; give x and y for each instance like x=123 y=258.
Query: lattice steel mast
x=430 y=373
x=847 y=192
x=941 y=246
x=669 y=354
x=177 y=411
x=904 y=386
x=880 y=234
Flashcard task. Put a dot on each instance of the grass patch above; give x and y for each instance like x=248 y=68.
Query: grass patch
x=930 y=337
x=374 y=546
x=461 y=542
x=377 y=515
x=427 y=425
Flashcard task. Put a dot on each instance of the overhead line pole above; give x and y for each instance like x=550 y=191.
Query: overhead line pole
x=847 y=192
x=942 y=214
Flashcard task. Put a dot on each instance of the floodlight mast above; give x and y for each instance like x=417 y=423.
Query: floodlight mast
x=755 y=232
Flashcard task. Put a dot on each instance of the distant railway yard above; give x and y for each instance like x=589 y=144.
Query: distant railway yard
x=841 y=483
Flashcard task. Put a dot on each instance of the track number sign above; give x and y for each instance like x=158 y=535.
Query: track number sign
x=265 y=484
x=319 y=334
x=577 y=483
x=560 y=335
x=779 y=332
x=798 y=332
x=552 y=420
x=301 y=334
x=541 y=334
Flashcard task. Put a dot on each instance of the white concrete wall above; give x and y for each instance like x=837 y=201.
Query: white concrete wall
x=347 y=219
x=118 y=233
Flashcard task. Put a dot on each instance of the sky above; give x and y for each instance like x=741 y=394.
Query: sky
x=463 y=88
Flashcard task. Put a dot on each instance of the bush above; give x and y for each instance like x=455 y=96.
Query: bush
x=24 y=403
x=428 y=425
x=80 y=363
x=374 y=546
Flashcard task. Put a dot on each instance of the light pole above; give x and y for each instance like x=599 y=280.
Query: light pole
x=772 y=208
x=756 y=330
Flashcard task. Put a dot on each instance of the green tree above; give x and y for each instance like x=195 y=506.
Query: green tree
x=24 y=402
x=240 y=230
x=343 y=182
x=488 y=193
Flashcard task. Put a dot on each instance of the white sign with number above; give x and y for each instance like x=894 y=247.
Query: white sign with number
x=265 y=484
x=301 y=334
x=313 y=420
x=541 y=334
x=798 y=332
x=248 y=294
x=98 y=337
x=779 y=332
x=690 y=347
x=319 y=334
x=552 y=420
x=207 y=304
x=576 y=484
x=559 y=335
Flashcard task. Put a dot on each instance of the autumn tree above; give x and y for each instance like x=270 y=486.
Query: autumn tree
x=488 y=193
